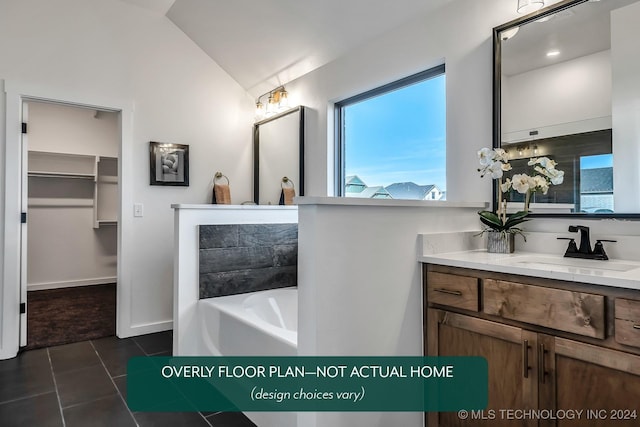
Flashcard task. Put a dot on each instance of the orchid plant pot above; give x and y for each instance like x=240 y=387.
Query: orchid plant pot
x=499 y=242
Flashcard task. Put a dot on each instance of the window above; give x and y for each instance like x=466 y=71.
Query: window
x=596 y=183
x=392 y=140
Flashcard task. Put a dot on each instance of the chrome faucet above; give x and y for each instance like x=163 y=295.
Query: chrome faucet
x=584 y=251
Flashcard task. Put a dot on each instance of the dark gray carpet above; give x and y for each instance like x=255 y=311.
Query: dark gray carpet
x=62 y=316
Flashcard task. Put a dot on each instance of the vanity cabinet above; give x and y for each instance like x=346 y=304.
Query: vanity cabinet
x=550 y=345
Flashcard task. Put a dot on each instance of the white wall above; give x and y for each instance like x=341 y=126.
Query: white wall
x=626 y=107
x=63 y=247
x=67 y=129
x=458 y=35
x=360 y=285
x=570 y=91
x=95 y=50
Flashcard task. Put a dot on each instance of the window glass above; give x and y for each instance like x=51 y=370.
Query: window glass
x=393 y=140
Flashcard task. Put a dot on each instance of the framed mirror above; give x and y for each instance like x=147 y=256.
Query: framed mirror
x=567 y=87
x=278 y=152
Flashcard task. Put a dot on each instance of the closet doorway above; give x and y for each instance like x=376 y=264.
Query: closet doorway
x=69 y=244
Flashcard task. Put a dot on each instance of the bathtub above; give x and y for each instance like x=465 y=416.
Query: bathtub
x=261 y=323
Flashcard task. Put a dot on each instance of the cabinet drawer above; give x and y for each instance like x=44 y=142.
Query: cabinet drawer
x=627 y=313
x=575 y=312
x=453 y=290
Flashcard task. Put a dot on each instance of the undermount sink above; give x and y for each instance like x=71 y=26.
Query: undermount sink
x=561 y=263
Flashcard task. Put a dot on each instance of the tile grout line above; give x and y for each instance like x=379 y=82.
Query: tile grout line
x=55 y=385
x=160 y=352
x=139 y=346
x=26 y=397
x=114 y=384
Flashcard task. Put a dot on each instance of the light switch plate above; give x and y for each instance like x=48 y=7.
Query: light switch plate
x=138 y=209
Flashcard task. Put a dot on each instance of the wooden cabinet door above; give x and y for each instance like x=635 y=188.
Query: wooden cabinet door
x=603 y=383
x=507 y=349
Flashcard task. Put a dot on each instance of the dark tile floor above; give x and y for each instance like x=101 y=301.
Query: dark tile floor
x=84 y=384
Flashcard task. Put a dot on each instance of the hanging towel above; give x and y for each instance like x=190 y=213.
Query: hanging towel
x=287 y=193
x=221 y=192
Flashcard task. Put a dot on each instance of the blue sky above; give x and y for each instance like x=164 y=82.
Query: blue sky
x=597 y=161
x=399 y=136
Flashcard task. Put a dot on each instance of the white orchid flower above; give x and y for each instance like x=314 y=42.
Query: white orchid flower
x=520 y=183
x=558 y=179
x=501 y=154
x=506 y=167
x=496 y=170
x=486 y=156
x=550 y=164
x=506 y=185
x=541 y=184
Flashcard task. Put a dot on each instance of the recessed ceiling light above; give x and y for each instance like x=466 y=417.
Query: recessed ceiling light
x=553 y=53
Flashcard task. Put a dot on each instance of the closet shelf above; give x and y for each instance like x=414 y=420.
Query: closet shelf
x=102 y=171
x=73 y=175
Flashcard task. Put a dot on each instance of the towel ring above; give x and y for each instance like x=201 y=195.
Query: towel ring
x=219 y=175
x=286 y=180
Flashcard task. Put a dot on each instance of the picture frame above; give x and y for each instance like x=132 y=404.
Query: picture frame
x=169 y=164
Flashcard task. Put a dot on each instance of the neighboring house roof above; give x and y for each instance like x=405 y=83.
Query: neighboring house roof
x=372 y=193
x=356 y=187
x=597 y=180
x=410 y=190
x=353 y=184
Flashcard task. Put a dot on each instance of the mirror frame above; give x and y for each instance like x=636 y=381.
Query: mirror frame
x=497 y=100
x=256 y=150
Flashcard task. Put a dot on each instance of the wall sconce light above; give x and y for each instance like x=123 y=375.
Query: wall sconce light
x=528 y=6
x=278 y=101
x=535 y=150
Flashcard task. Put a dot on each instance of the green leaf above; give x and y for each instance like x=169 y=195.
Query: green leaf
x=491 y=225
x=491 y=217
x=491 y=220
x=516 y=218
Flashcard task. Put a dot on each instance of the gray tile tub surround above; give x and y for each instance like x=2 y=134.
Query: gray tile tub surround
x=240 y=258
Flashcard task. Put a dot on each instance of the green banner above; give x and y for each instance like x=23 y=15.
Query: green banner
x=307 y=383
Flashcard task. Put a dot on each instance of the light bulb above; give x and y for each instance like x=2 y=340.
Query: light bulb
x=259 y=110
x=528 y=6
x=284 y=100
x=271 y=106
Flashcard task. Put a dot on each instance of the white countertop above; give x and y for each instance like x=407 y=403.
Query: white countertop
x=618 y=273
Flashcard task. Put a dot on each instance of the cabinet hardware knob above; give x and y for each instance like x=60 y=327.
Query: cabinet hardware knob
x=449 y=292
x=525 y=358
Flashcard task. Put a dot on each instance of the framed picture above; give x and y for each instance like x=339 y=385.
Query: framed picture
x=169 y=164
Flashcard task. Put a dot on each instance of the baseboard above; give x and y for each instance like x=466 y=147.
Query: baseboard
x=147 y=328
x=70 y=283
x=8 y=353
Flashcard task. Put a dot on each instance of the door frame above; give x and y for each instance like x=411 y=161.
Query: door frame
x=10 y=292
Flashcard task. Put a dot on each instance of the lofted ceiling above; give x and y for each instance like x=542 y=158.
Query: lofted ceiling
x=265 y=43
